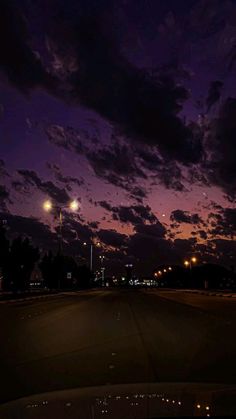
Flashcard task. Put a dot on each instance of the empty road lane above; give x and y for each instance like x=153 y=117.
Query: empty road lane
x=113 y=336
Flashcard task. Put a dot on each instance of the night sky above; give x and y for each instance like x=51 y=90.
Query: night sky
x=128 y=106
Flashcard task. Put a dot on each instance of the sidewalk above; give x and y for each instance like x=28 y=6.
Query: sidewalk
x=10 y=297
x=215 y=293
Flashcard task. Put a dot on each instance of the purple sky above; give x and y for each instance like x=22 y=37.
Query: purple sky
x=128 y=106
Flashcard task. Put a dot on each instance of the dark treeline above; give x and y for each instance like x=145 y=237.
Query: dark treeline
x=206 y=276
x=18 y=259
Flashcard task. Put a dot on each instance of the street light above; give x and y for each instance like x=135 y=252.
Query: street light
x=48 y=206
x=101 y=257
x=194 y=259
x=74 y=205
x=186 y=263
x=98 y=244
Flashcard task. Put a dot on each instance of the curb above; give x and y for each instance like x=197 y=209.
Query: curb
x=38 y=297
x=16 y=300
x=211 y=294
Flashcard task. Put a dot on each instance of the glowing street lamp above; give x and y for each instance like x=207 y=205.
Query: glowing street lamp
x=74 y=205
x=186 y=263
x=194 y=259
x=169 y=269
x=47 y=205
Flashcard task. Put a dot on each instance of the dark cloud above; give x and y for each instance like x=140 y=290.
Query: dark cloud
x=3 y=171
x=221 y=165
x=170 y=176
x=166 y=173
x=148 y=250
x=82 y=232
x=138 y=193
x=112 y=238
x=145 y=109
x=21 y=187
x=20 y=63
x=117 y=160
x=214 y=93
x=4 y=198
x=31 y=227
x=55 y=169
x=31 y=178
x=134 y=214
x=94 y=224
x=183 y=248
x=185 y=217
x=65 y=137
x=106 y=205
x=154 y=230
x=91 y=69
x=202 y=234
x=223 y=223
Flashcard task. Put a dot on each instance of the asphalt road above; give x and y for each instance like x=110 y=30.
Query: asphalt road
x=115 y=336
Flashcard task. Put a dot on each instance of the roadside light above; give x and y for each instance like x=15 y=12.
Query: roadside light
x=155 y=274
x=186 y=263
x=194 y=259
x=47 y=206
x=170 y=269
x=84 y=243
x=74 y=205
x=159 y=273
x=198 y=406
x=165 y=270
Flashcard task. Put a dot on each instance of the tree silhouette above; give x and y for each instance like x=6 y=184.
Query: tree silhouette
x=4 y=258
x=23 y=257
x=46 y=267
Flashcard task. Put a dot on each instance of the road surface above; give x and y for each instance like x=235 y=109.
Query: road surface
x=115 y=336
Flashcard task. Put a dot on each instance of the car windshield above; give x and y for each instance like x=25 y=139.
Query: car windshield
x=117 y=207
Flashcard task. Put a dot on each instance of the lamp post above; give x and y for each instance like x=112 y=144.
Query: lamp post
x=98 y=244
x=189 y=263
x=48 y=206
x=102 y=268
